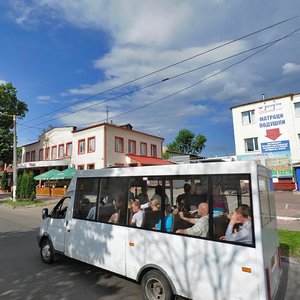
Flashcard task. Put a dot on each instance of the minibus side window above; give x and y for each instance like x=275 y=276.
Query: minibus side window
x=191 y=207
x=86 y=198
x=232 y=211
x=112 y=206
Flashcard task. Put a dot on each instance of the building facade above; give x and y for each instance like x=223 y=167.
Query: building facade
x=94 y=147
x=268 y=131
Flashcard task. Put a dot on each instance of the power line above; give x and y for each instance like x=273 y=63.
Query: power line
x=198 y=82
x=166 y=67
x=158 y=82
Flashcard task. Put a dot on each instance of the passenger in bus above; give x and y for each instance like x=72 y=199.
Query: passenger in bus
x=143 y=196
x=154 y=204
x=168 y=219
x=220 y=204
x=92 y=213
x=84 y=207
x=198 y=196
x=120 y=214
x=138 y=214
x=181 y=206
x=185 y=196
x=160 y=193
x=244 y=234
x=200 y=227
x=147 y=206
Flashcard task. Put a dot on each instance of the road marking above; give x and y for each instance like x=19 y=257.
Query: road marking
x=286 y=206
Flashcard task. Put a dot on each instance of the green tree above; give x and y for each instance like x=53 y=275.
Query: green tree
x=187 y=142
x=19 y=187
x=4 y=181
x=26 y=186
x=9 y=105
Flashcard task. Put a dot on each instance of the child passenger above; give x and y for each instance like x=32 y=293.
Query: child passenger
x=168 y=219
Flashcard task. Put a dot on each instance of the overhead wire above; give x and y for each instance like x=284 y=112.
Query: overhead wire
x=164 y=68
x=198 y=82
x=168 y=79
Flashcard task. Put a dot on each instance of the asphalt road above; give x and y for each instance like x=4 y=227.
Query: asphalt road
x=24 y=276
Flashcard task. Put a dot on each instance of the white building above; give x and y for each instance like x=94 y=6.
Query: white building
x=94 y=147
x=268 y=131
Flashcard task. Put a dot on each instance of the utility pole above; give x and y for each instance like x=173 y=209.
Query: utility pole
x=15 y=171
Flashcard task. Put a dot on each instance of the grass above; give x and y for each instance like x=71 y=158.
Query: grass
x=289 y=243
x=23 y=203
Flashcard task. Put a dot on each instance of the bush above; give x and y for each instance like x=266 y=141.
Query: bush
x=4 y=181
x=26 y=187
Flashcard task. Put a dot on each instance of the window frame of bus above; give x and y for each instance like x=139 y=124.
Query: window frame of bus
x=171 y=178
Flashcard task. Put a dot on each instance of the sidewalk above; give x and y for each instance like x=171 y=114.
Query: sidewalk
x=288 y=210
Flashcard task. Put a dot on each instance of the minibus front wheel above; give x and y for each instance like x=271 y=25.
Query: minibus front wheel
x=155 y=286
x=47 y=251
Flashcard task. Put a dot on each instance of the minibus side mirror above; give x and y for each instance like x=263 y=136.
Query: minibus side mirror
x=45 y=213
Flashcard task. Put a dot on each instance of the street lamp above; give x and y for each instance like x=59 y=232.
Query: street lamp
x=14 y=154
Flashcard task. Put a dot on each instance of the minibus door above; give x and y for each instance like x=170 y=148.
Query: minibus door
x=57 y=224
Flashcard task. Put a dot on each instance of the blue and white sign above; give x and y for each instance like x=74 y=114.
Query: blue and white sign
x=275 y=146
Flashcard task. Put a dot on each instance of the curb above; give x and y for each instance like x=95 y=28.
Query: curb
x=41 y=205
x=288 y=218
x=291 y=260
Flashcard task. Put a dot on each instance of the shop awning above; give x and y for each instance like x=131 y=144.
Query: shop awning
x=47 y=175
x=149 y=161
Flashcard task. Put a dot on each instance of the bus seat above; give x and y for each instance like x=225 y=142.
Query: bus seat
x=179 y=223
x=151 y=218
x=220 y=224
x=105 y=212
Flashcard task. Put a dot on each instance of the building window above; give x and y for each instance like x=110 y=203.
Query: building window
x=251 y=144
x=91 y=144
x=248 y=117
x=61 y=151
x=119 y=144
x=54 y=152
x=81 y=146
x=69 y=149
x=41 y=154
x=90 y=166
x=143 y=149
x=47 y=153
x=131 y=147
x=27 y=156
x=153 y=150
x=297 y=109
x=32 y=155
x=80 y=167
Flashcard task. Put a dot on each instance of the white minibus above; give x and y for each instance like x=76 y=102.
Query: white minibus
x=201 y=231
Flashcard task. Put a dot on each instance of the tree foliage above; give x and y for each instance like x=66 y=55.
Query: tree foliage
x=26 y=186
x=9 y=105
x=187 y=142
x=4 y=181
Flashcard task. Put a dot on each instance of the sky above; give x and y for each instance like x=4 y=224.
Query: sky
x=161 y=66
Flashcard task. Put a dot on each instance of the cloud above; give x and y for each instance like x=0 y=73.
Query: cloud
x=148 y=35
x=290 y=68
x=45 y=99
